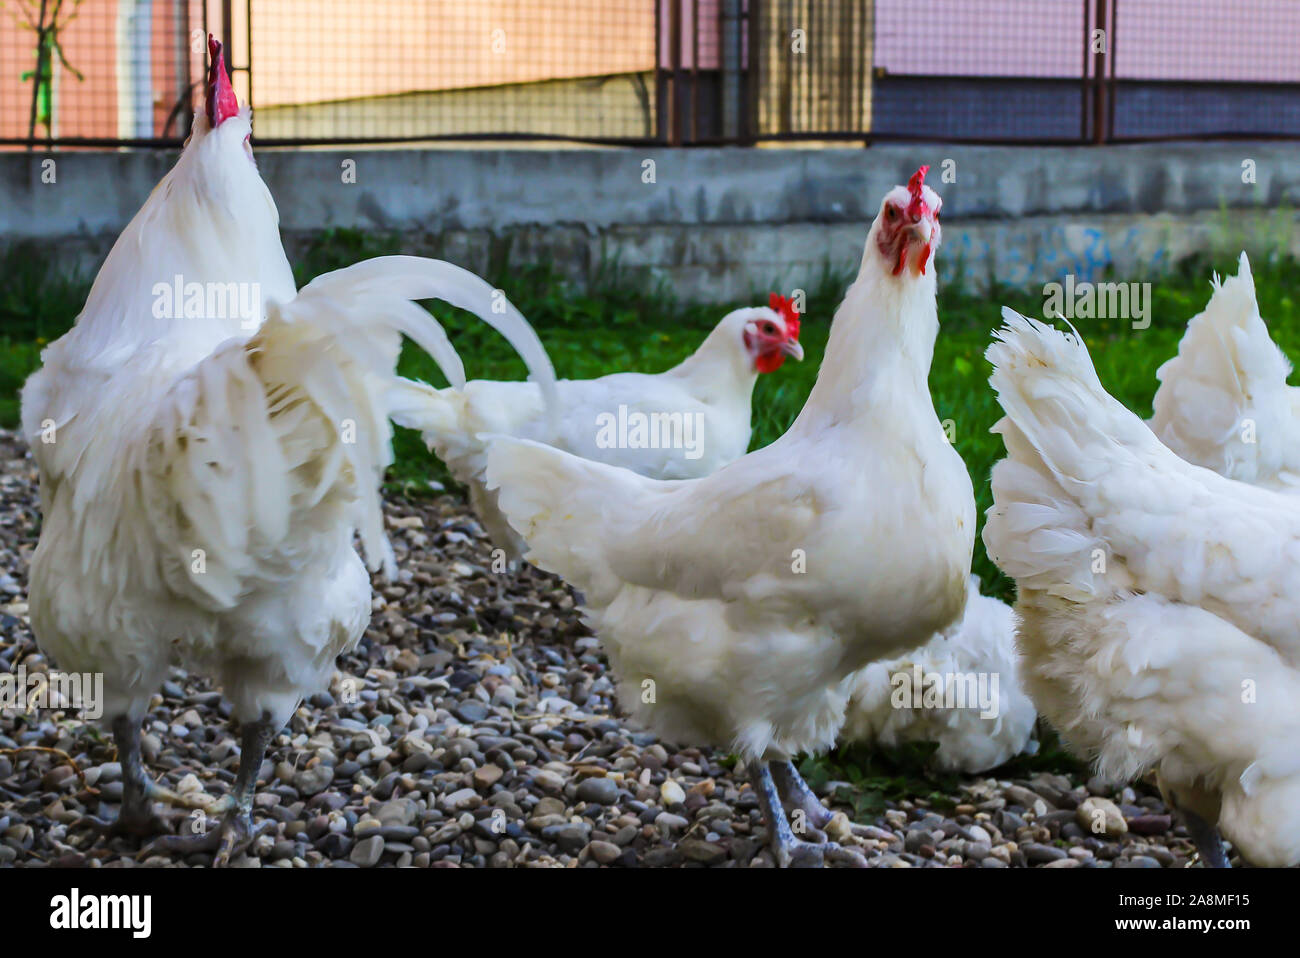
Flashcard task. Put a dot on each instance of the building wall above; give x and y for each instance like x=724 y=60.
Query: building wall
x=307 y=52
x=718 y=223
x=1245 y=40
x=314 y=52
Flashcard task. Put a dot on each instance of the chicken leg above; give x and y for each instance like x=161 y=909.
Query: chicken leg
x=1209 y=843
x=236 y=829
x=797 y=796
x=789 y=850
x=139 y=791
x=1198 y=808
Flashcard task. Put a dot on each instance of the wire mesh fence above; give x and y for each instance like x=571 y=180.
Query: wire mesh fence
x=581 y=69
x=99 y=71
x=1189 y=68
x=979 y=71
x=122 y=72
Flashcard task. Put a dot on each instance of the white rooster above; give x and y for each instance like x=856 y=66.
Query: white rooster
x=203 y=471
x=693 y=419
x=736 y=607
x=1224 y=402
x=978 y=647
x=1157 y=599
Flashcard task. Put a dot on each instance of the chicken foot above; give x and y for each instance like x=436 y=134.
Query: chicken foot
x=236 y=830
x=139 y=791
x=789 y=850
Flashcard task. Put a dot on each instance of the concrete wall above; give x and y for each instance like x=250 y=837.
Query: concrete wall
x=719 y=223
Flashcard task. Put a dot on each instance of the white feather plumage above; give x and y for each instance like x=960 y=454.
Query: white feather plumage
x=1224 y=402
x=981 y=643
x=1157 y=599
x=692 y=584
x=201 y=482
x=713 y=387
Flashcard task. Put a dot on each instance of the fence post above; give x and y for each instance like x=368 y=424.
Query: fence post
x=227 y=28
x=248 y=47
x=729 y=36
x=675 y=72
x=753 y=23
x=1099 y=86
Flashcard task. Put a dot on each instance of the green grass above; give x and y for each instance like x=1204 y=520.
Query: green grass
x=620 y=324
x=877 y=776
x=38 y=301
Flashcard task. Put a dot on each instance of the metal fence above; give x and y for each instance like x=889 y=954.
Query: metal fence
x=129 y=72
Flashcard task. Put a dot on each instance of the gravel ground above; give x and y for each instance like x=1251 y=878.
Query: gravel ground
x=484 y=734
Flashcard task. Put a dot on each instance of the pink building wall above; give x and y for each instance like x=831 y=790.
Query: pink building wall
x=1247 y=40
x=1244 y=40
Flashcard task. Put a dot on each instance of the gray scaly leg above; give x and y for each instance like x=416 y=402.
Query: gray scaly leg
x=798 y=796
x=236 y=829
x=790 y=851
x=1208 y=841
x=139 y=791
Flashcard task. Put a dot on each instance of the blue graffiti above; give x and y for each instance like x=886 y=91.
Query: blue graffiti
x=1022 y=257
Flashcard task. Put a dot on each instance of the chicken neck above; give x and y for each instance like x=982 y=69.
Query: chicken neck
x=877 y=357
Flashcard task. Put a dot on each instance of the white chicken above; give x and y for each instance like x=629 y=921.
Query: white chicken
x=204 y=469
x=736 y=608
x=961 y=691
x=680 y=424
x=1157 y=599
x=1224 y=402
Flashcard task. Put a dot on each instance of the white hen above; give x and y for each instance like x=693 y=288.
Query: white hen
x=203 y=475
x=680 y=424
x=1157 y=599
x=1224 y=402
x=736 y=607
x=961 y=691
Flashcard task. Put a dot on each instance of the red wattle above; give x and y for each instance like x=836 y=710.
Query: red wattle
x=902 y=259
x=769 y=362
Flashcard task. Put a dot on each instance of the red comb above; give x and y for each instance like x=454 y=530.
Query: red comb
x=222 y=102
x=917 y=207
x=785 y=307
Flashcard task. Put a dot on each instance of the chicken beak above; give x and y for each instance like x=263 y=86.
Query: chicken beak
x=792 y=349
x=922 y=232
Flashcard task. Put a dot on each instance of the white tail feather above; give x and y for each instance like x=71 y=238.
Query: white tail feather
x=414 y=278
x=1224 y=402
x=1062 y=430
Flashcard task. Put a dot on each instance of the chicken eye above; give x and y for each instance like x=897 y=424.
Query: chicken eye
x=890 y=212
